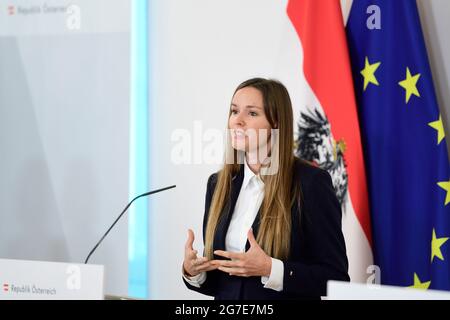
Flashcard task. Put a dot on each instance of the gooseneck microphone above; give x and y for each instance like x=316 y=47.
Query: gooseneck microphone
x=118 y=218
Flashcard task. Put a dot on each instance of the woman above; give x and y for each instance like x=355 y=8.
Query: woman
x=272 y=224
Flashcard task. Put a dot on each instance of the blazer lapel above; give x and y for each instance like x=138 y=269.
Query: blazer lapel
x=224 y=222
x=255 y=228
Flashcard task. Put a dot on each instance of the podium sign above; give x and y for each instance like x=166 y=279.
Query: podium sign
x=337 y=290
x=40 y=280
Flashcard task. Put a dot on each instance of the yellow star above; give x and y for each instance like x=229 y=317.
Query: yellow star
x=436 y=244
x=446 y=186
x=439 y=127
x=419 y=285
x=409 y=84
x=369 y=73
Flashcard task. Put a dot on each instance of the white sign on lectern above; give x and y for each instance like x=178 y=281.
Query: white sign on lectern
x=39 y=280
x=337 y=290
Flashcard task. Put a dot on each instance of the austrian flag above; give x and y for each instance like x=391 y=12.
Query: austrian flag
x=327 y=127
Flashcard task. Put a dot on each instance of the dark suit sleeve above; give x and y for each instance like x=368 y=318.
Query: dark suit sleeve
x=209 y=287
x=327 y=258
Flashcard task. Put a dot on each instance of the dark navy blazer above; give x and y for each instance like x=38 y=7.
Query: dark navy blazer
x=317 y=252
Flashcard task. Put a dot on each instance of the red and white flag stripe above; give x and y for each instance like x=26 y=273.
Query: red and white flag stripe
x=327 y=83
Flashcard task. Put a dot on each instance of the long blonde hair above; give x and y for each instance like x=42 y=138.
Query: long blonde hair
x=280 y=193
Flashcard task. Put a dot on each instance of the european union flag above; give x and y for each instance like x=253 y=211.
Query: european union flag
x=405 y=150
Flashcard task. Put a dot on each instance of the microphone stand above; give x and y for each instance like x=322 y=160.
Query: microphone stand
x=118 y=218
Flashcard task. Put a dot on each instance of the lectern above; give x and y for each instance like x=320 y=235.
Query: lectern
x=338 y=290
x=41 y=280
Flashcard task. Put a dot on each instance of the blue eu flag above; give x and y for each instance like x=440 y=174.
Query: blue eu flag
x=405 y=150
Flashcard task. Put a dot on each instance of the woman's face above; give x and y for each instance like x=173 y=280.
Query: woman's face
x=250 y=129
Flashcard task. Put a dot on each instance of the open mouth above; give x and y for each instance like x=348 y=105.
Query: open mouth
x=238 y=134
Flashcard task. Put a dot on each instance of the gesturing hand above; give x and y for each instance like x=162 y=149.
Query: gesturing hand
x=254 y=262
x=192 y=264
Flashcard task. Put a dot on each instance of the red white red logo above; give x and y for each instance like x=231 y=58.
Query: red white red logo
x=11 y=10
x=6 y=287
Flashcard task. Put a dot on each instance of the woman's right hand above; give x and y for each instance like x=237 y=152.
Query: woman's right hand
x=192 y=264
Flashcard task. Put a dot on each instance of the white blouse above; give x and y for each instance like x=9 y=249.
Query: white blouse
x=247 y=206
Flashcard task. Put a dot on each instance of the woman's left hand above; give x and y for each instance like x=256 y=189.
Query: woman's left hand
x=254 y=262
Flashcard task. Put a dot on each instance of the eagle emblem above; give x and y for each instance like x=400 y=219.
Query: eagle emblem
x=315 y=144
